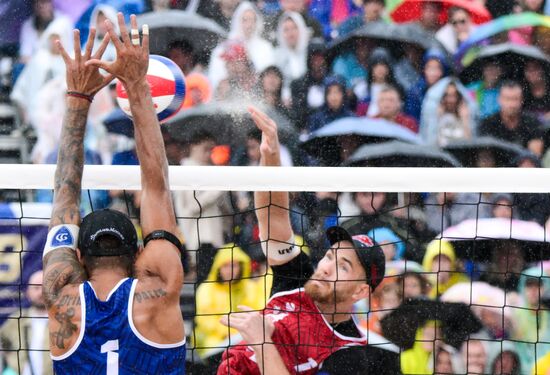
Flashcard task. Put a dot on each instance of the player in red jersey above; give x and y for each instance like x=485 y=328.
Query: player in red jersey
x=308 y=317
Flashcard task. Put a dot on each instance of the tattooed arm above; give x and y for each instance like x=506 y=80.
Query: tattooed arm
x=160 y=259
x=61 y=266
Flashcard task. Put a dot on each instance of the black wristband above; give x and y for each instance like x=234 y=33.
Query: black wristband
x=163 y=235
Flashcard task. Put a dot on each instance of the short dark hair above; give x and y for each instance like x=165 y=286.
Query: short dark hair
x=454 y=9
x=374 y=1
x=182 y=45
x=200 y=136
x=510 y=84
x=125 y=262
x=391 y=88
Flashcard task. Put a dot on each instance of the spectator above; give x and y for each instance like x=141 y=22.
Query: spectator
x=486 y=91
x=434 y=68
x=220 y=11
x=457 y=30
x=35 y=26
x=531 y=206
x=227 y=286
x=198 y=90
x=503 y=206
x=271 y=88
x=314 y=28
x=448 y=113
x=474 y=353
x=440 y=264
x=511 y=124
x=429 y=16
x=524 y=35
x=335 y=106
x=44 y=65
x=503 y=271
x=352 y=66
x=372 y=12
x=541 y=38
x=418 y=359
x=380 y=74
x=531 y=317
x=447 y=209
x=24 y=336
x=308 y=91
x=241 y=78
x=389 y=108
x=331 y=14
x=407 y=68
x=384 y=300
x=181 y=52
x=507 y=361
x=415 y=284
x=447 y=360
x=199 y=212
x=536 y=90
x=392 y=245
x=246 y=29
x=291 y=52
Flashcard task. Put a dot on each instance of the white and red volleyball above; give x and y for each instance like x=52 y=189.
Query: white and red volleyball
x=167 y=84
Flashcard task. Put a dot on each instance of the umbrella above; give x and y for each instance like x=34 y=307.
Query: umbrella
x=410 y=10
x=511 y=57
x=499 y=25
x=118 y=122
x=324 y=142
x=172 y=25
x=400 y=154
x=228 y=121
x=457 y=321
x=475 y=238
x=466 y=151
x=391 y=36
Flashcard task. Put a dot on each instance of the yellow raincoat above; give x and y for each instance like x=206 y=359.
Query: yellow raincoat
x=215 y=299
x=435 y=248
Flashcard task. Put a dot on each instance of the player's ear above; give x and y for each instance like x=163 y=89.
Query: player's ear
x=362 y=291
x=79 y=256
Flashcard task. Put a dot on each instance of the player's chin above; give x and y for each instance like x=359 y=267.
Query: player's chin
x=317 y=289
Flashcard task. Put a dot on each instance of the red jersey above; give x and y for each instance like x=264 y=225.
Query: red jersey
x=306 y=337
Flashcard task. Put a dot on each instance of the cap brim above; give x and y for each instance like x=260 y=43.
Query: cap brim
x=336 y=234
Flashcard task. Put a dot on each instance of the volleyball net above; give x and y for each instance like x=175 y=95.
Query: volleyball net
x=467 y=282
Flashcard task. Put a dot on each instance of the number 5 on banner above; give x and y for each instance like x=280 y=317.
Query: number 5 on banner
x=112 y=357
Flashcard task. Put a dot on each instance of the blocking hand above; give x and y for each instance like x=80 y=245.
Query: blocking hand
x=254 y=327
x=82 y=77
x=270 y=147
x=132 y=58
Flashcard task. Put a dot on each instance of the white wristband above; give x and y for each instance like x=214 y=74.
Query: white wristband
x=61 y=236
x=278 y=252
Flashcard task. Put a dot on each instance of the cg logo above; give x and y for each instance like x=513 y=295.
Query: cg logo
x=61 y=237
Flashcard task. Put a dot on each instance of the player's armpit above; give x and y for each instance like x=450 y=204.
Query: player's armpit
x=61 y=268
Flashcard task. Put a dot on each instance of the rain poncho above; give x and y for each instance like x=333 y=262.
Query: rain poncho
x=386 y=235
x=292 y=61
x=258 y=49
x=532 y=326
x=435 y=248
x=431 y=120
x=215 y=299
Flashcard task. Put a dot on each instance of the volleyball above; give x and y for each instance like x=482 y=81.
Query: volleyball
x=167 y=84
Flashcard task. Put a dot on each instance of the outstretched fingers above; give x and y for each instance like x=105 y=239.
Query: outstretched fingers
x=102 y=47
x=63 y=52
x=123 y=30
x=76 y=42
x=89 y=44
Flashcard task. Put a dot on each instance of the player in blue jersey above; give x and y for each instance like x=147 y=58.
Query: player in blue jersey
x=113 y=309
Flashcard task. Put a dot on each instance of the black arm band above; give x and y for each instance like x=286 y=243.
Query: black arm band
x=163 y=235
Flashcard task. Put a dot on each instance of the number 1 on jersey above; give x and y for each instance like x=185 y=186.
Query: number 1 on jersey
x=112 y=357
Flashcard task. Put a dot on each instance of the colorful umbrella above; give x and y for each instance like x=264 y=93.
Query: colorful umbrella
x=499 y=25
x=410 y=10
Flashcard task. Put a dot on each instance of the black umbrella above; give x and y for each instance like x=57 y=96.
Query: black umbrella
x=327 y=142
x=467 y=151
x=118 y=122
x=173 y=25
x=400 y=154
x=390 y=35
x=228 y=121
x=511 y=57
x=457 y=321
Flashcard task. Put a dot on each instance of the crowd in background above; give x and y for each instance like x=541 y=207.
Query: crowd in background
x=286 y=55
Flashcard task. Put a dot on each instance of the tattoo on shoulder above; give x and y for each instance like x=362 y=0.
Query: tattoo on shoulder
x=68 y=300
x=61 y=268
x=149 y=294
x=66 y=328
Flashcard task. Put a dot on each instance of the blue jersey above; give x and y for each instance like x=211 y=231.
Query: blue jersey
x=109 y=343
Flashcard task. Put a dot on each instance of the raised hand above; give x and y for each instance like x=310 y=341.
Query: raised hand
x=132 y=59
x=81 y=77
x=269 y=148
